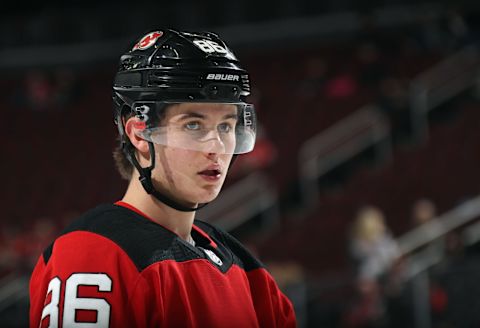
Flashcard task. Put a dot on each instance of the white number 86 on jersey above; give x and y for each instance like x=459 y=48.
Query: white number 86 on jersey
x=72 y=303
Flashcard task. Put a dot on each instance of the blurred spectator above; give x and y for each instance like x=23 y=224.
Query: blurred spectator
x=423 y=216
x=393 y=101
x=457 y=29
x=66 y=218
x=41 y=90
x=454 y=289
x=398 y=294
x=445 y=32
x=314 y=78
x=44 y=231
x=262 y=157
x=290 y=277
x=342 y=85
x=429 y=32
x=454 y=252
x=37 y=91
x=372 y=247
x=382 y=297
x=7 y=253
x=20 y=246
x=423 y=211
x=367 y=309
x=371 y=69
x=66 y=87
x=28 y=245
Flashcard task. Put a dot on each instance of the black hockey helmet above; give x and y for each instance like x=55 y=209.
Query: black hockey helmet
x=166 y=67
x=180 y=66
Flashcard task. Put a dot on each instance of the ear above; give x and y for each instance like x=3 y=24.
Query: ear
x=140 y=144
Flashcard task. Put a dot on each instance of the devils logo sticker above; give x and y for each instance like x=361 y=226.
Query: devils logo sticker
x=148 y=40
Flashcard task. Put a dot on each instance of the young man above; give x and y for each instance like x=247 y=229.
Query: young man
x=144 y=261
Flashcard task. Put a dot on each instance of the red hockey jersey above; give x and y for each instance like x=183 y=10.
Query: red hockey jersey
x=114 y=267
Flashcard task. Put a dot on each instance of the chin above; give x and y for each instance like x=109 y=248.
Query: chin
x=207 y=199
x=206 y=196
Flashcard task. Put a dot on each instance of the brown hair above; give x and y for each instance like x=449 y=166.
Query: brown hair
x=123 y=165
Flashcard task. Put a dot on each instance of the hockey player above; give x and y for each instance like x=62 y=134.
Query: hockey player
x=144 y=261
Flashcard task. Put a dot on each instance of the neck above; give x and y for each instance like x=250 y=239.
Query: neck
x=172 y=219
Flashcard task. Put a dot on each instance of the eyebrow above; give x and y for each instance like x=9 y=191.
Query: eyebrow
x=201 y=116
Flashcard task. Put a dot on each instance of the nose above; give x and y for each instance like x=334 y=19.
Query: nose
x=214 y=146
x=212 y=156
x=212 y=143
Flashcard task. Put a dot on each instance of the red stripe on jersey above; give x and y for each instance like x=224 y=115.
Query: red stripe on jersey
x=136 y=210
x=133 y=208
x=205 y=235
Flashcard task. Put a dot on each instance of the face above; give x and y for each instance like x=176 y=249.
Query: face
x=195 y=175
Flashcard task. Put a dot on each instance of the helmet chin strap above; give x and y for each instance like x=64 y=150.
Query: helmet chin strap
x=146 y=180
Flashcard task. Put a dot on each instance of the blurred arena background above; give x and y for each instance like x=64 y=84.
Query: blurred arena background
x=363 y=193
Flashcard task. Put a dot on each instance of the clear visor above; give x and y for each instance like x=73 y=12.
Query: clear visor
x=222 y=128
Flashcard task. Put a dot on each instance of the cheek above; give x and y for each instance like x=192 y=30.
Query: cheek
x=180 y=161
x=227 y=159
x=170 y=164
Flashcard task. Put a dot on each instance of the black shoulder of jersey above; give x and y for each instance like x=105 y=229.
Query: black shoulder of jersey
x=241 y=255
x=144 y=241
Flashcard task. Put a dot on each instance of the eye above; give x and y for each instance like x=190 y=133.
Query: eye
x=192 y=126
x=224 y=128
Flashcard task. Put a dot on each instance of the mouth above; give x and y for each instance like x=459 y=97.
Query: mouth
x=211 y=174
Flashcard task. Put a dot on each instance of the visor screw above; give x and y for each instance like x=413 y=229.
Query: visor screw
x=214 y=90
